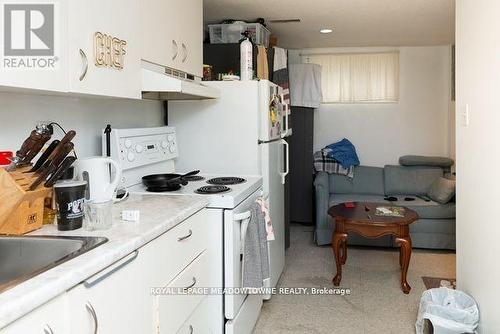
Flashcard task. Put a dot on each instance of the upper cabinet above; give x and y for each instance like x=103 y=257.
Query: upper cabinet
x=172 y=34
x=77 y=46
x=95 y=47
x=103 y=48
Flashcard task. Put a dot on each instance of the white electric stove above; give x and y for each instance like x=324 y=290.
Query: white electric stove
x=148 y=151
x=229 y=197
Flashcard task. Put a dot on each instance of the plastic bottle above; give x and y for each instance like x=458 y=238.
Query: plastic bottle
x=246 y=58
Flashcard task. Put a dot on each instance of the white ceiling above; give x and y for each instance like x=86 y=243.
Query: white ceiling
x=355 y=22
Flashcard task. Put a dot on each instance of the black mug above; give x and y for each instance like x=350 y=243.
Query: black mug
x=70 y=200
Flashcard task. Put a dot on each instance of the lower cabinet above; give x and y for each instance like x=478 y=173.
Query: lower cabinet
x=50 y=318
x=117 y=300
x=120 y=298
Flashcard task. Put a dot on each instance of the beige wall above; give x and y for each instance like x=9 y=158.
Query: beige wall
x=419 y=124
x=19 y=114
x=478 y=156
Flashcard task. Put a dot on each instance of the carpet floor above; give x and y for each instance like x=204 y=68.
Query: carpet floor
x=376 y=303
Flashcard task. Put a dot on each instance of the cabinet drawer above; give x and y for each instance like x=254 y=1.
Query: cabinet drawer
x=173 y=309
x=199 y=321
x=48 y=318
x=174 y=250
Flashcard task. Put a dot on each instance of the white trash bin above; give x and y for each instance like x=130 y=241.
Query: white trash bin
x=450 y=311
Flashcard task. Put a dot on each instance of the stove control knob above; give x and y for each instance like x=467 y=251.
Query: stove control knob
x=170 y=137
x=164 y=144
x=128 y=143
x=172 y=148
x=139 y=148
x=130 y=156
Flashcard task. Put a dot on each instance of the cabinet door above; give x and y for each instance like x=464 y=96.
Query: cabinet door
x=159 y=21
x=191 y=37
x=116 y=300
x=45 y=73
x=100 y=61
x=50 y=318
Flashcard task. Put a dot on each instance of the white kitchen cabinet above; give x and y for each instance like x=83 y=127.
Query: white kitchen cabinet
x=50 y=318
x=119 y=298
x=104 y=64
x=116 y=300
x=172 y=32
x=92 y=57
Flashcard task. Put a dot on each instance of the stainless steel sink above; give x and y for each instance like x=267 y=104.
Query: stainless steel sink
x=24 y=257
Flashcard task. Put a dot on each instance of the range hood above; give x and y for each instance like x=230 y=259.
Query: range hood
x=157 y=85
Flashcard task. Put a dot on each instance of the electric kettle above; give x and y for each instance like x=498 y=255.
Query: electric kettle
x=97 y=172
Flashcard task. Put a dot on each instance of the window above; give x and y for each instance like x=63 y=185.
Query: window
x=358 y=78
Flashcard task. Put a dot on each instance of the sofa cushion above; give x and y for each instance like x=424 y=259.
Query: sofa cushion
x=367 y=180
x=425 y=210
x=415 y=180
x=442 y=190
x=419 y=160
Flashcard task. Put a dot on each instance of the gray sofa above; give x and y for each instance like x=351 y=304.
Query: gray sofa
x=435 y=228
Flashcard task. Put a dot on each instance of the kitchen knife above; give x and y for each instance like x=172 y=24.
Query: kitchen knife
x=63 y=167
x=45 y=171
x=66 y=139
x=38 y=145
x=44 y=156
x=27 y=145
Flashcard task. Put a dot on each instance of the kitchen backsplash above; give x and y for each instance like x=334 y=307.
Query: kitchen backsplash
x=20 y=113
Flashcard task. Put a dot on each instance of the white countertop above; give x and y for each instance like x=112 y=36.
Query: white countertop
x=158 y=215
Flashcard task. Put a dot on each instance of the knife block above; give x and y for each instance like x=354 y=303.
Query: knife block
x=21 y=210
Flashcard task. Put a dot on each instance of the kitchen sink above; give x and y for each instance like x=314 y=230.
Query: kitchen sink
x=24 y=257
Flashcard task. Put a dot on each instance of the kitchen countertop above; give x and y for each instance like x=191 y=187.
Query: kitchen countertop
x=159 y=213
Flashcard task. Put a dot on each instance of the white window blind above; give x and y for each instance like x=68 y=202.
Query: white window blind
x=358 y=78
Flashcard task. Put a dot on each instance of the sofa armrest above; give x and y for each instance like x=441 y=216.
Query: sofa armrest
x=322 y=192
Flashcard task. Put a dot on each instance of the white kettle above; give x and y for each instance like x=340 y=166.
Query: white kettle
x=96 y=171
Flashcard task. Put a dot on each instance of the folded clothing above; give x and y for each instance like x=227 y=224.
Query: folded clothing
x=323 y=163
x=344 y=152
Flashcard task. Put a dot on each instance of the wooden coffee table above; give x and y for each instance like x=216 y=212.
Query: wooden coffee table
x=362 y=220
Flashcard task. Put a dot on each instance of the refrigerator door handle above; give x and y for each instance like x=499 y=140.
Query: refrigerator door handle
x=287 y=161
x=285 y=109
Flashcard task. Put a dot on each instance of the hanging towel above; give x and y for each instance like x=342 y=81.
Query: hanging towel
x=280 y=74
x=255 y=267
x=305 y=85
x=262 y=64
x=267 y=217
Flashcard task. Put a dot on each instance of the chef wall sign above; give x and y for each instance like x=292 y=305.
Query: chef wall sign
x=30 y=36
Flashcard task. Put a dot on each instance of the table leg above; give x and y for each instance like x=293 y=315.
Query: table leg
x=338 y=240
x=405 y=255
x=344 y=251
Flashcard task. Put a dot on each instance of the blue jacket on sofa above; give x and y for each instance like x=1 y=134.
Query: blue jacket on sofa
x=435 y=228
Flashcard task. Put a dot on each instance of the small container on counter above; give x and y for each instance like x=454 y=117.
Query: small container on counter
x=5 y=158
x=70 y=200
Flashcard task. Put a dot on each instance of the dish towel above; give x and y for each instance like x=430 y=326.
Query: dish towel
x=280 y=72
x=255 y=267
x=305 y=85
x=267 y=217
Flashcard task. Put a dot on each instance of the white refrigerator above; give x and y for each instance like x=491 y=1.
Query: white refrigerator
x=241 y=133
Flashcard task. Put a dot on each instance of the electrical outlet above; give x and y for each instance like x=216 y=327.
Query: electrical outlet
x=464 y=116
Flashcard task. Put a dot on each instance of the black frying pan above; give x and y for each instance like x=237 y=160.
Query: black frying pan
x=166 y=182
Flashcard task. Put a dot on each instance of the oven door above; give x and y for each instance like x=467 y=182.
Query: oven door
x=233 y=255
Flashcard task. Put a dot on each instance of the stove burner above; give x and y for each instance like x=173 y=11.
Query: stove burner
x=193 y=178
x=226 y=180
x=207 y=190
